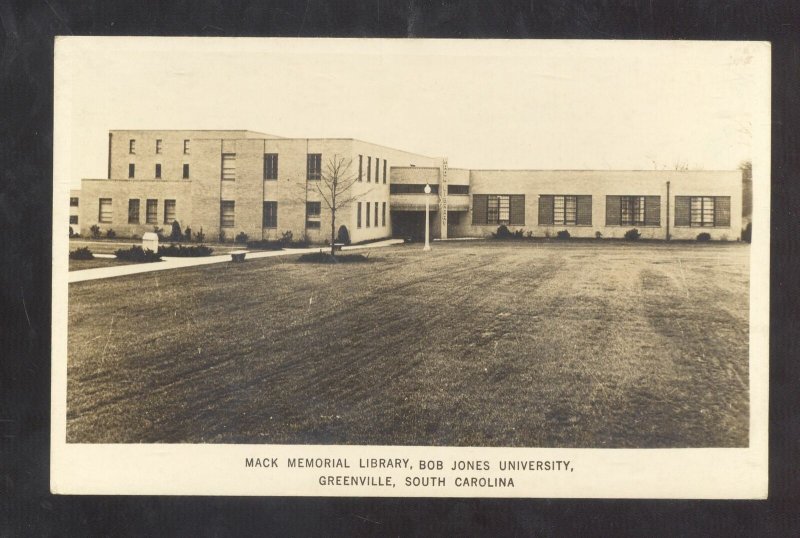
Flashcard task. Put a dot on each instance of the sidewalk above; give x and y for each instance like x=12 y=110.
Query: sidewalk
x=176 y=263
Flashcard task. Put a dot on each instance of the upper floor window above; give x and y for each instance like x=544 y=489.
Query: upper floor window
x=131 y=146
x=384 y=171
x=457 y=189
x=270 y=166
x=131 y=171
x=73 y=201
x=186 y=147
x=158 y=145
x=369 y=169
x=360 y=167
x=158 y=170
x=411 y=188
x=185 y=171
x=377 y=170
x=314 y=166
x=228 y=166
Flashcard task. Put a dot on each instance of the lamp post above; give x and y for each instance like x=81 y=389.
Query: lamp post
x=427 y=218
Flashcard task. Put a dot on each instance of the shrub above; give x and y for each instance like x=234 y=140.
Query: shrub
x=265 y=244
x=111 y=234
x=502 y=232
x=241 y=238
x=138 y=254
x=71 y=232
x=343 y=235
x=632 y=234
x=185 y=251
x=286 y=238
x=159 y=232
x=222 y=236
x=199 y=236
x=82 y=253
x=747 y=233
x=529 y=234
x=95 y=229
x=176 y=234
x=187 y=235
x=598 y=234
x=704 y=236
x=325 y=257
x=519 y=234
x=563 y=234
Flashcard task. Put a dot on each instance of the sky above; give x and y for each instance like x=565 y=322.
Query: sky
x=483 y=104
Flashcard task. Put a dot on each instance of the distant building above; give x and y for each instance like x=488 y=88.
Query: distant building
x=243 y=181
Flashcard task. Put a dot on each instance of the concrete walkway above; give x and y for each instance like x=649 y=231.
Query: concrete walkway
x=176 y=263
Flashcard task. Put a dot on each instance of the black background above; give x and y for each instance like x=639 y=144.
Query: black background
x=26 y=98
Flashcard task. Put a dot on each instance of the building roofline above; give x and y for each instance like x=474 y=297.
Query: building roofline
x=604 y=170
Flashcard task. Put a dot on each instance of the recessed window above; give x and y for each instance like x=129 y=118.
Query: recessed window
x=368 y=215
x=411 y=188
x=185 y=171
x=314 y=166
x=227 y=209
x=186 y=147
x=457 y=189
x=271 y=166
x=131 y=146
x=377 y=169
x=158 y=171
x=270 y=218
x=228 y=167
x=498 y=209
x=384 y=171
x=633 y=210
x=360 y=167
x=703 y=211
x=169 y=211
x=73 y=201
x=158 y=145
x=104 y=214
x=73 y=219
x=151 y=214
x=369 y=171
x=383 y=213
x=313 y=212
x=133 y=211
x=376 y=214
x=358 y=215
x=131 y=171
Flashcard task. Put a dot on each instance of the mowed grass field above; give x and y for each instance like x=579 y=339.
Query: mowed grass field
x=582 y=344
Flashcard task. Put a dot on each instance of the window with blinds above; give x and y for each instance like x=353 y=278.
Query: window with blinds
x=227 y=209
x=133 y=211
x=104 y=214
x=314 y=166
x=703 y=211
x=495 y=209
x=270 y=217
x=228 y=167
x=151 y=211
x=169 y=211
x=270 y=166
x=313 y=212
x=565 y=209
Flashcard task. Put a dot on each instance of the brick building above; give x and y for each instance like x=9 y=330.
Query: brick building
x=260 y=184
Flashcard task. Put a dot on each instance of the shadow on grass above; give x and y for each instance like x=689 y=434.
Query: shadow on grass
x=325 y=257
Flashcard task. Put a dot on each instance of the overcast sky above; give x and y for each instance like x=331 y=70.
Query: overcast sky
x=483 y=104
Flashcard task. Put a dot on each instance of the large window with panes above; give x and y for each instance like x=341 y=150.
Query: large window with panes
x=313 y=213
x=151 y=211
x=228 y=167
x=104 y=214
x=133 y=211
x=169 y=211
x=565 y=209
x=632 y=210
x=703 y=211
x=496 y=209
x=227 y=213
x=314 y=166
x=271 y=166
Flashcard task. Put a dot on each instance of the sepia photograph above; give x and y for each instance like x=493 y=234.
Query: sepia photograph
x=411 y=244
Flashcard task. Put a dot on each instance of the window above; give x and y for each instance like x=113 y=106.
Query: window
x=314 y=166
x=227 y=209
x=458 y=189
x=498 y=209
x=73 y=219
x=131 y=171
x=411 y=188
x=158 y=171
x=703 y=211
x=633 y=211
x=186 y=147
x=369 y=169
x=377 y=169
x=169 y=211
x=228 y=167
x=158 y=145
x=367 y=213
x=453 y=218
x=313 y=211
x=565 y=209
x=270 y=218
x=73 y=201
x=383 y=212
x=358 y=215
x=132 y=146
x=133 y=211
x=360 y=167
x=376 y=214
x=384 y=171
x=185 y=171
x=271 y=166
x=105 y=210
x=152 y=212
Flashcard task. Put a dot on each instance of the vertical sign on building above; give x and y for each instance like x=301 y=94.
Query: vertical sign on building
x=443 y=201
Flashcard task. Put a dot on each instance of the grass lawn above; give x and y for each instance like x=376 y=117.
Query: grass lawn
x=78 y=265
x=605 y=344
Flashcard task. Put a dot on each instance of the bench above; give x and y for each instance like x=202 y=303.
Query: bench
x=238 y=255
x=337 y=246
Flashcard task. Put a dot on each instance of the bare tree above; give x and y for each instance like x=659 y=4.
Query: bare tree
x=335 y=188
